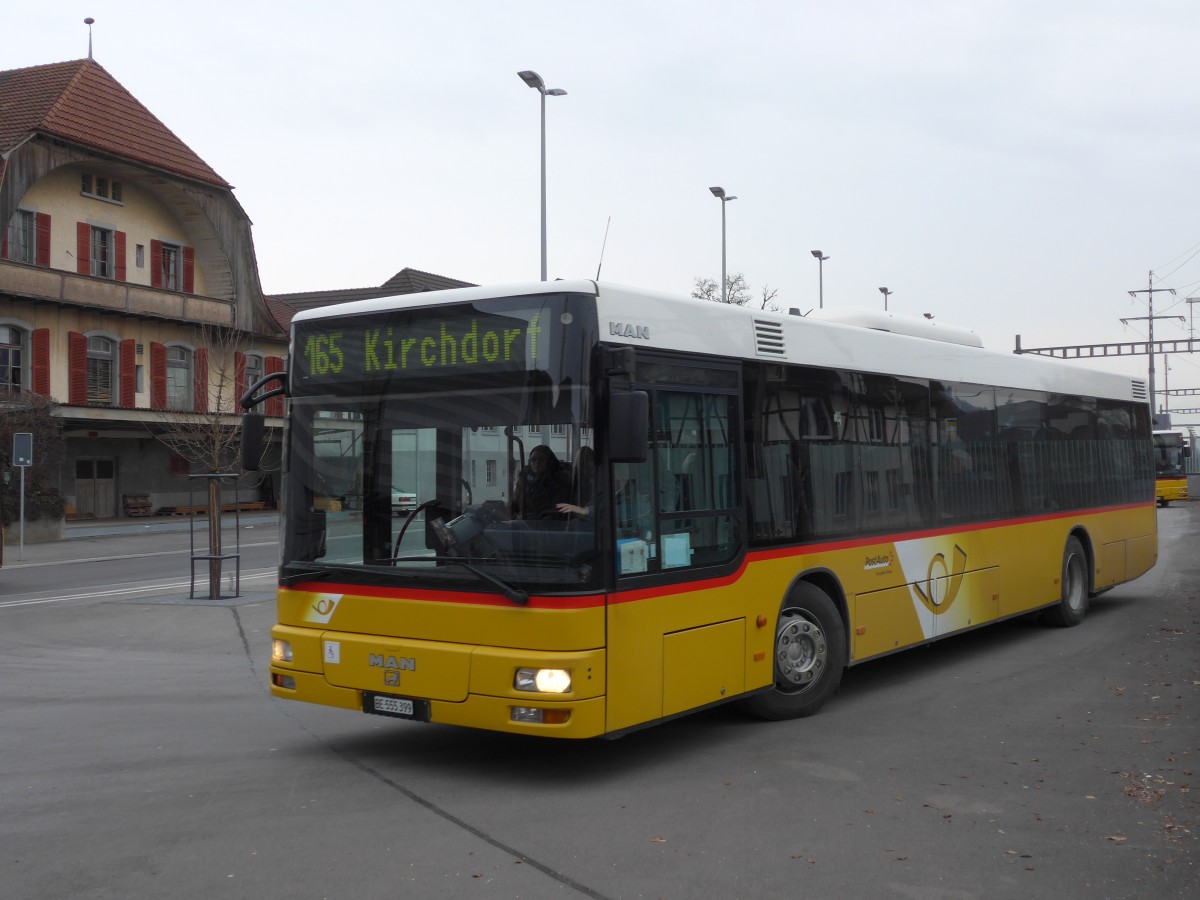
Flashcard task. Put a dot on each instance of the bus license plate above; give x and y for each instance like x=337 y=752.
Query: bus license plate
x=400 y=707
x=394 y=706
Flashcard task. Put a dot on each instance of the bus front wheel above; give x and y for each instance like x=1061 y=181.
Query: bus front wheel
x=1073 y=603
x=810 y=654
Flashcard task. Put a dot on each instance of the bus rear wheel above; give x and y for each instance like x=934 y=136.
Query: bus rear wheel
x=1073 y=603
x=810 y=654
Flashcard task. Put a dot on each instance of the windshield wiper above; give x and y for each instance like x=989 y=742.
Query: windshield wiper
x=516 y=595
x=318 y=571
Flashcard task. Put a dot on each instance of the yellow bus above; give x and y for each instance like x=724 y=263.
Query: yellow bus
x=631 y=506
x=1170 y=479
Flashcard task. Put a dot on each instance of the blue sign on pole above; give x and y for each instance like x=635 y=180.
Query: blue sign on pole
x=23 y=449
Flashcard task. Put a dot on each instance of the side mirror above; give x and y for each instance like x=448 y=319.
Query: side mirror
x=254 y=429
x=628 y=422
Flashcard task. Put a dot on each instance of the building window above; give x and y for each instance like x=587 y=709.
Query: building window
x=172 y=267
x=254 y=368
x=101 y=367
x=179 y=378
x=140 y=255
x=102 y=253
x=490 y=471
x=12 y=341
x=22 y=237
x=878 y=425
x=100 y=187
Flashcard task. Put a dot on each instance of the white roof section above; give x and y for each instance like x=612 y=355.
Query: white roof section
x=837 y=339
x=881 y=320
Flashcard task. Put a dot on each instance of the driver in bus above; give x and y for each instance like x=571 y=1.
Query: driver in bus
x=542 y=485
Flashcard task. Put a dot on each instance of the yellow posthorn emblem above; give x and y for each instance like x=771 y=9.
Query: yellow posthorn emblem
x=941 y=582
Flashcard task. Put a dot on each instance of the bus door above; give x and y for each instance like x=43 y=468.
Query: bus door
x=677 y=530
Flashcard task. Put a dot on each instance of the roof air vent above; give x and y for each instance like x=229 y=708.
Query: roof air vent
x=768 y=339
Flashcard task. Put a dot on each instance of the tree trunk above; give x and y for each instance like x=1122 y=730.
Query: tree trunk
x=214 y=539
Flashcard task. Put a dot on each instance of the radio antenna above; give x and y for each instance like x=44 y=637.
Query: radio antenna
x=602 y=246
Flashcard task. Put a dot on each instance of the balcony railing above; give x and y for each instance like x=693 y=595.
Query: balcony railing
x=36 y=283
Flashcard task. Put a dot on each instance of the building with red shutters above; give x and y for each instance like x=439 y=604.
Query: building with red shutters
x=129 y=290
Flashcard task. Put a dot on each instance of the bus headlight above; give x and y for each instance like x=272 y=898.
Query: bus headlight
x=545 y=681
x=281 y=651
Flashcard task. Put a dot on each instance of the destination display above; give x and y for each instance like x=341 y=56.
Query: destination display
x=417 y=343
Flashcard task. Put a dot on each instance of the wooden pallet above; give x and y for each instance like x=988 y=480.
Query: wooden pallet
x=202 y=509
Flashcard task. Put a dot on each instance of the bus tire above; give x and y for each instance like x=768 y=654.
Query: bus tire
x=809 y=653
x=1073 y=604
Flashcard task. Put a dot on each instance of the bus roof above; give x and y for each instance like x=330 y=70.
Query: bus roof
x=845 y=339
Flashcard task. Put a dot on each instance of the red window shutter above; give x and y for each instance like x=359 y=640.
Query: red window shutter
x=43 y=239
x=200 y=379
x=239 y=375
x=128 y=369
x=77 y=368
x=120 y=245
x=272 y=365
x=156 y=264
x=189 y=270
x=39 y=365
x=158 y=376
x=83 y=248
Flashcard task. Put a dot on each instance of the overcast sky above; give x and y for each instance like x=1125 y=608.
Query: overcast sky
x=1012 y=167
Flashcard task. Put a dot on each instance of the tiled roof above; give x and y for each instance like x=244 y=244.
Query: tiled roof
x=412 y=281
x=281 y=312
x=78 y=101
x=406 y=281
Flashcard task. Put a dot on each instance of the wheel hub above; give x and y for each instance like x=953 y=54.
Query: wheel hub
x=800 y=650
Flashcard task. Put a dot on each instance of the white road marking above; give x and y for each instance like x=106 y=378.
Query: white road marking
x=120 y=591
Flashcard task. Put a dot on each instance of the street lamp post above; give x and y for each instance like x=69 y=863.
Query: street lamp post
x=885 y=293
x=719 y=193
x=534 y=80
x=820 y=275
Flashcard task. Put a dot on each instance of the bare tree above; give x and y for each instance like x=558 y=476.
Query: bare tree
x=209 y=435
x=767 y=299
x=24 y=412
x=737 y=292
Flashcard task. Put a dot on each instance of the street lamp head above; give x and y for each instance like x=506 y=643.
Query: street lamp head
x=884 y=291
x=556 y=92
x=818 y=255
x=718 y=192
x=533 y=79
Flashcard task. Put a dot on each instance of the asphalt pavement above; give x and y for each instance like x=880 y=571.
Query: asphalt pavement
x=142 y=756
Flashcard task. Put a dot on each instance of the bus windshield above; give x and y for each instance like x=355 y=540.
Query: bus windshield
x=444 y=447
x=1168 y=454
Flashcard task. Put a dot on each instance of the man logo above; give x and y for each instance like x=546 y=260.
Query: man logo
x=624 y=329
x=379 y=661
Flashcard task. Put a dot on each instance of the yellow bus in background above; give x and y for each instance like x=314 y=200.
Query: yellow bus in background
x=632 y=506
x=1170 y=477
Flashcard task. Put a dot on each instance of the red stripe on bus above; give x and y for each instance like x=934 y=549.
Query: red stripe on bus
x=423 y=594
x=591 y=601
